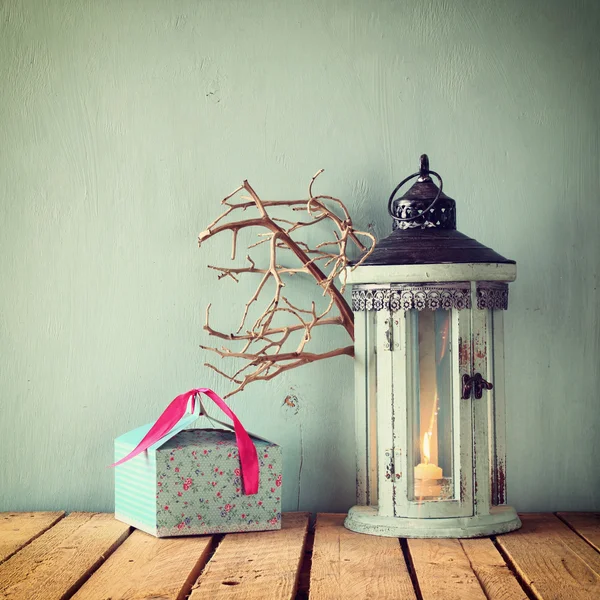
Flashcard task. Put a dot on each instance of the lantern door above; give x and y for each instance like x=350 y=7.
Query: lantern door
x=425 y=441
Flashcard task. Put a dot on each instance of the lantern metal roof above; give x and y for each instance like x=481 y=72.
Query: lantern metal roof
x=425 y=229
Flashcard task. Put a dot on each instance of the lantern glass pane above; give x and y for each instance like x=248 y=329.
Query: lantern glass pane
x=432 y=427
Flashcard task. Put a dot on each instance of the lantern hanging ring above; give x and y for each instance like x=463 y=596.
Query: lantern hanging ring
x=423 y=174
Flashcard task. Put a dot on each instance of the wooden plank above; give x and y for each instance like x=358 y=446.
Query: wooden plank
x=496 y=579
x=263 y=565
x=352 y=565
x=443 y=570
x=553 y=561
x=55 y=564
x=17 y=529
x=587 y=525
x=148 y=567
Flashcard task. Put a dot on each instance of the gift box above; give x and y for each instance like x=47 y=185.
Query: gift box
x=173 y=480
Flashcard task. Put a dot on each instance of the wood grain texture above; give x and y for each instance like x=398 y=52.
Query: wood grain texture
x=587 y=525
x=19 y=528
x=148 y=567
x=352 y=565
x=55 y=564
x=256 y=566
x=494 y=576
x=553 y=561
x=444 y=571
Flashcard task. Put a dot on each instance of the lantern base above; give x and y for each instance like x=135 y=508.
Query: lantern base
x=366 y=519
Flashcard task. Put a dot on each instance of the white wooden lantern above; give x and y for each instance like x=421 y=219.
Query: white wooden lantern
x=428 y=306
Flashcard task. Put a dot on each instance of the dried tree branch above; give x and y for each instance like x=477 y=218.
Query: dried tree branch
x=281 y=321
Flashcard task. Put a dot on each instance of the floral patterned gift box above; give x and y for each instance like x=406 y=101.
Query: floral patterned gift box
x=196 y=481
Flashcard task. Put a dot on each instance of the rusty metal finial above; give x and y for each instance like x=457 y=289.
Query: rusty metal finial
x=424 y=168
x=416 y=206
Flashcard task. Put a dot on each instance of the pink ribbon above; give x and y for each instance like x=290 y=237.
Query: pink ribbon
x=177 y=409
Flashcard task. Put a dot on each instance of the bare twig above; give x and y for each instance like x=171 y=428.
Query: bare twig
x=263 y=343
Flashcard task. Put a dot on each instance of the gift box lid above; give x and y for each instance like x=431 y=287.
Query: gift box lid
x=181 y=413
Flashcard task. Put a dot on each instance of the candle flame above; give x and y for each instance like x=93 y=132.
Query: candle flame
x=426 y=450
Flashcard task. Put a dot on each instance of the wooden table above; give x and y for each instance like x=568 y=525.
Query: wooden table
x=91 y=556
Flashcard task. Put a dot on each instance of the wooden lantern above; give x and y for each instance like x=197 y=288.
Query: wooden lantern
x=428 y=306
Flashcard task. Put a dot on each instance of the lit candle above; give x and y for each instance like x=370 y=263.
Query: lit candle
x=427 y=475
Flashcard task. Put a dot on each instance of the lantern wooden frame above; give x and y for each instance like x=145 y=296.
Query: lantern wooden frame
x=383 y=385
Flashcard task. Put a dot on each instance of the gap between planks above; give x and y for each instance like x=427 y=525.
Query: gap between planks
x=302 y=593
x=18 y=529
x=552 y=557
x=91 y=556
x=585 y=525
x=352 y=565
x=411 y=567
x=514 y=571
x=495 y=576
x=359 y=566
x=552 y=560
x=256 y=566
x=466 y=569
x=147 y=567
x=55 y=564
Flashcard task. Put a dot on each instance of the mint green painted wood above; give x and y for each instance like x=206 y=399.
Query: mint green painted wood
x=498 y=416
x=365 y=519
x=372 y=383
x=470 y=511
x=400 y=385
x=135 y=482
x=482 y=356
x=464 y=434
x=419 y=273
x=123 y=124
x=384 y=414
x=361 y=383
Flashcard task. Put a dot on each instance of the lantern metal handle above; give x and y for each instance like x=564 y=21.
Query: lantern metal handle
x=423 y=173
x=476 y=383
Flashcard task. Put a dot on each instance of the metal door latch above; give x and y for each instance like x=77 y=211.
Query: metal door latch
x=476 y=383
x=390 y=343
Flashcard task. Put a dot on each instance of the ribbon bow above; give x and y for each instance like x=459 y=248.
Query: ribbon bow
x=177 y=410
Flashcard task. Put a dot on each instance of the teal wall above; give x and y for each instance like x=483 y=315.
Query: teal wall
x=123 y=124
